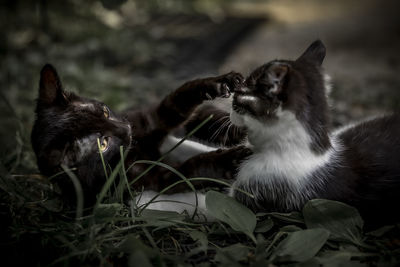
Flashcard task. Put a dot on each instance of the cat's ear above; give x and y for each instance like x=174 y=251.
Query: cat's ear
x=50 y=88
x=276 y=75
x=315 y=53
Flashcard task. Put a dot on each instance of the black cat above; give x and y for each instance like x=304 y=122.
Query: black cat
x=283 y=106
x=68 y=126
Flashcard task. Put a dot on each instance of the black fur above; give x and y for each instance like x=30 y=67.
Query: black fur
x=67 y=127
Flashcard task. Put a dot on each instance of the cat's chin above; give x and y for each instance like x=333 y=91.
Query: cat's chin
x=236 y=119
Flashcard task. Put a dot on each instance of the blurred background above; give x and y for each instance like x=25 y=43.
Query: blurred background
x=132 y=52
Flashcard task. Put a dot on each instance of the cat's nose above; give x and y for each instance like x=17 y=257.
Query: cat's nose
x=122 y=130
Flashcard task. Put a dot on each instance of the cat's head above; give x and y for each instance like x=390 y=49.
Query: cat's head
x=66 y=131
x=285 y=89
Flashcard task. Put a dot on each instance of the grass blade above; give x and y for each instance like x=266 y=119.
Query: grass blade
x=180 y=175
x=123 y=170
x=108 y=184
x=169 y=151
x=102 y=158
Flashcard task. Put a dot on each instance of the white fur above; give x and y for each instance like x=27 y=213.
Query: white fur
x=275 y=88
x=185 y=150
x=351 y=125
x=281 y=149
x=284 y=147
x=344 y=128
x=84 y=105
x=328 y=89
x=327 y=85
x=179 y=202
x=249 y=98
x=236 y=118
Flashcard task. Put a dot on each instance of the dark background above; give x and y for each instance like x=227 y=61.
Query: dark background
x=130 y=53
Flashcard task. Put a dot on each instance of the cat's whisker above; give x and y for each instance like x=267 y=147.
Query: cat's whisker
x=217 y=121
x=216 y=132
x=227 y=133
x=225 y=128
x=220 y=128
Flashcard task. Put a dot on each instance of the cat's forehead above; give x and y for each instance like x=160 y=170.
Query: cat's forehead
x=263 y=70
x=85 y=103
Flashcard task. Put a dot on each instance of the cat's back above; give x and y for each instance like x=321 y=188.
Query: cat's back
x=372 y=156
x=373 y=143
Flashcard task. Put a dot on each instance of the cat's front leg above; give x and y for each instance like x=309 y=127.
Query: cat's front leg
x=179 y=105
x=220 y=164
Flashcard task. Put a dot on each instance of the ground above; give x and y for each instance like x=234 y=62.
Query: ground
x=362 y=40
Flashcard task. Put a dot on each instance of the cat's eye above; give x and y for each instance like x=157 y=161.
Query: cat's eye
x=106 y=112
x=103 y=144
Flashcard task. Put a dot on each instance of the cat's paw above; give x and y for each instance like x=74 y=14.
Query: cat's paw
x=232 y=158
x=223 y=85
x=239 y=154
x=230 y=81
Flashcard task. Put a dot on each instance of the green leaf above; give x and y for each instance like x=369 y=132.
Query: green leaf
x=104 y=211
x=292 y=217
x=200 y=238
x=381 y=231
x=131 y=244
x=340 y=259
x=260 y=251
x=228 y=210
x=264 y=226
x=232 y=254
x=139 y=257
x=290 y=228
x=301 y=245
x=139 y=253
x=153 y=215
x=343 y=221
x=160 y=219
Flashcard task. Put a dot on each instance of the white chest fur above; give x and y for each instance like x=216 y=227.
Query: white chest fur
x=282 y=155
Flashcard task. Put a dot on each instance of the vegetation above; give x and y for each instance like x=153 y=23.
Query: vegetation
x=38 y=229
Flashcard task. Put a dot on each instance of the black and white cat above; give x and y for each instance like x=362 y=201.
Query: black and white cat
x=283 y=106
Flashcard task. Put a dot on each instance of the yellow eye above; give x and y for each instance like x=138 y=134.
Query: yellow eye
x=106 y=112
x=103 y=144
